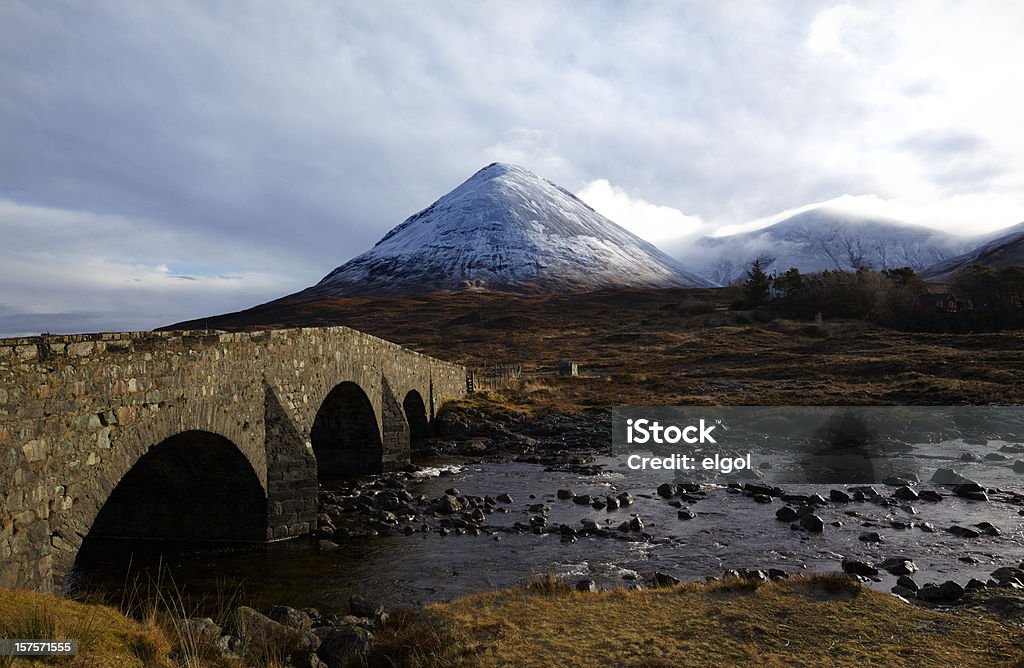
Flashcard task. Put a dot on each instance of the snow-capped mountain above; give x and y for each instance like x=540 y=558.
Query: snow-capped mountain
x=506 y=229
x=822 y=239
x=1005 y=250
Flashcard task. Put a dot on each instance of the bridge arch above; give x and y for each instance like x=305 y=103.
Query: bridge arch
x=416 y=415
x=346 y=435
x=195 y=485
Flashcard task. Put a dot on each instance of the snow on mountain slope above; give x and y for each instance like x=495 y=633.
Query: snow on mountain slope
x=822 y=239
x=506 y=229
x=1005 y=250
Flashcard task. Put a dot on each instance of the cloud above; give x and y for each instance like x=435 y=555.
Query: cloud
x=65 y=271
x=649 y=221
x=275 y=141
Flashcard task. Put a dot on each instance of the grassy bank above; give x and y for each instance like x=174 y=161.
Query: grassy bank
x=105 y=636
x=805 y=621
x=812 y=621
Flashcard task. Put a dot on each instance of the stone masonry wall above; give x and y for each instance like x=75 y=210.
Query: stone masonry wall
x=77 y=412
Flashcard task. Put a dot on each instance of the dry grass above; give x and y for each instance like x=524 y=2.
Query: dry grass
x=813 y=621
x=106 y=637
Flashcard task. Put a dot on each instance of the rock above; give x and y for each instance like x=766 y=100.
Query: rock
x=816 y=500
x=904 y=593
x=898 y=566
x=974 y=583
x=963 y=532
x=908 y=582
x=1007 y=573
x=948 y=477
x=927 y=527
x=636 y=524
x=812 y=523
x=453 y=491
x=753 y=575
x=565 y=494
x=583 y=500
x=930 y=496
x=763 y=490
x=625 y=498
x=988 y=528
x=906 y=494
x=969 y=457
x=324 y=545
x=785 y=514
x=762 y=498
x=1018 y=466
x=870 y=537
x=505 y=498
x=253 y=627
x=361 y=606
x=612 y=503
x=685 y=514
x=971 y=490
x=587 y=585
x=290 y=617
x=202 y=630
x=857 y=567
x=664 y=580
x=668 y=490
x=839 y=496
x=449 y=504
x=338 y=643
x=598 y=503
x=996 y=457
x=951 y=591
x=777 y=574
x=900 y=480
x=947 y=592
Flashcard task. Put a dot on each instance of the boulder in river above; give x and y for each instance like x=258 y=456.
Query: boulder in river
x=948 y=477
x=906 y=494
x=839 y=496
x=812 y=523
x=898 y=566
x=858 y=567
x=963 y=532
x=667 y=490
x=785 y=514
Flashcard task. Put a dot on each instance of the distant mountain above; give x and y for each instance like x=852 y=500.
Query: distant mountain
x=1005 y=250
x=506 y=229
x=822 y=239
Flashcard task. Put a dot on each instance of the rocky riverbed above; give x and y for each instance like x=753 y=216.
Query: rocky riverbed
x=495 y=502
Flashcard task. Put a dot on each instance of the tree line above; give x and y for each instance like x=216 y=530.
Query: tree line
x=984 y=299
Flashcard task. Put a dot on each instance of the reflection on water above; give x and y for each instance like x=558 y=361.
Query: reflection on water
x=729 y=531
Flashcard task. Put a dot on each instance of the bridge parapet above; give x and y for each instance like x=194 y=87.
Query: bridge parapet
x=79 y=412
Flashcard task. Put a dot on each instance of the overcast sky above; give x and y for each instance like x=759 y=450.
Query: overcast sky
x=168 y=160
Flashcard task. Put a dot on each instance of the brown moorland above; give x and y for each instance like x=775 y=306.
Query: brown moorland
x=669 y=347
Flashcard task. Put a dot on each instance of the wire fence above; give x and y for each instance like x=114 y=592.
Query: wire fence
x=493 y=377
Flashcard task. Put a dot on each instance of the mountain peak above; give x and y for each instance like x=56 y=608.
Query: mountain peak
x=506 y=228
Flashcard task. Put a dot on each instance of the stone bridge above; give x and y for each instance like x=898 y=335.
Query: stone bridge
x=197 y=435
